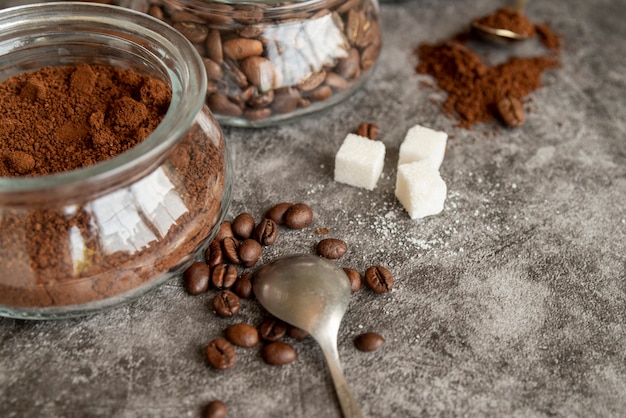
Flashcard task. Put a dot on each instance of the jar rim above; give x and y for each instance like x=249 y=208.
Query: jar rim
x=161 y=40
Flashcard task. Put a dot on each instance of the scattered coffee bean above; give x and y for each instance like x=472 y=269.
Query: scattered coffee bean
x=277 y=212
x=379 y=279
x=354 y=277
x=511 y=111
x=266 y=232
x=196 y=278
x=249 y=252
x=243 y=225
x=297 y=333
x=223 y=276
x=368 y=130
x=214 y=254
x=216 y=409
x=230 y=245
x=243 y=286
x=226 y=304
x=224 y=231
x=243 y=335
x=331 y=248
x=322 y=231
x=278 y=353
x=272 y=329
x=298 y=216
x=221 y=354
x=369 y=341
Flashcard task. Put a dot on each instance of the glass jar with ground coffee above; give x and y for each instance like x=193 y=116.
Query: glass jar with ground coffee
x=114 y=174
x=269 y=61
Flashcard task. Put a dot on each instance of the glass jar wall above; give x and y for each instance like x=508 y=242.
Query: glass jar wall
x=77 y=242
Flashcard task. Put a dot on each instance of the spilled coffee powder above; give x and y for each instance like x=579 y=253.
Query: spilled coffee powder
x=63 y=118
x=475 y=88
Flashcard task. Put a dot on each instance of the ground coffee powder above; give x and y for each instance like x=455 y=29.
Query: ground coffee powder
x=61 y=253
x=475 y=88
x=509 y=19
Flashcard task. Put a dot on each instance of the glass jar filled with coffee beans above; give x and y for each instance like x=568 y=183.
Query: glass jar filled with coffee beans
x=269 y=61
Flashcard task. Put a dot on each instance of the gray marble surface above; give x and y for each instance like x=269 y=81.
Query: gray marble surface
x=511 y=302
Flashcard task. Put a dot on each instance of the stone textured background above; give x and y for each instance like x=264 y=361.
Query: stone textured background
x=511 y=302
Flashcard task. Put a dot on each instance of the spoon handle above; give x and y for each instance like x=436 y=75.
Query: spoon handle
x=349 y=407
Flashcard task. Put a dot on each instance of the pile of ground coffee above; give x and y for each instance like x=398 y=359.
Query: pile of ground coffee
x=475 y=88
x=61 y=253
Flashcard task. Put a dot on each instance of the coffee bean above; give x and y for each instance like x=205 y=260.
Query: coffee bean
x=350 y=67
x=286 y=100
x=249 y=252
x=266 y=232
x=369 y=341
x=195 y=32
x=379 y=279
x=262 y=100
x=243 y=225
x=196 y=278
x=295 y=332
x=260 y=72
x=319 y=94
x=368 y=130
x=257 y=114
x=213 y=69
x=220 y=103
x=216 y=409
x=240 y=48
x=221 y=354
x=214 y=254
x=223 y=276
x=331 y=248
x=354 y=277
x=224 y=231
x=277 y=212
x=278 y=353
x=312 y=81
x=335 y=81
x=511 y=111
x=298 y=216
x=243 y=335
x=213 y=46
x=243 y=286
x=272 y=329
x=230 y=245
x=226 y=304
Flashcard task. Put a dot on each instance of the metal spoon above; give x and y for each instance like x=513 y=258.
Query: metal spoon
x=499 y=35
x=310 y=293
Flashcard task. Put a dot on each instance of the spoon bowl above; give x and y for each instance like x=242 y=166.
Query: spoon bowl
x=502 y=36
x=313 y=294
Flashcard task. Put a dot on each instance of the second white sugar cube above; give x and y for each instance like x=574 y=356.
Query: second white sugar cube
x=421 y=143
x=420 y=189
x=359 y=161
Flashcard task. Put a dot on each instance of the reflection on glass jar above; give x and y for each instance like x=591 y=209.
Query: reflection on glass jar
x=77 y=242
x=270 y=61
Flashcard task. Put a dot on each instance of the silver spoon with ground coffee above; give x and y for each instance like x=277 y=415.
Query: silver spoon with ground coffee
x=505 y=26
x=310 y=293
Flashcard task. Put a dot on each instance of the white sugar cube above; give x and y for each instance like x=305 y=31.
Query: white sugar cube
x=359 y=161
x=420 y=189
x=421 y=143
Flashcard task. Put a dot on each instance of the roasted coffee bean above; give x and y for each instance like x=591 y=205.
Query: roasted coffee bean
x=243 y=286
x=368 y=130
x=196 y=278
x=243 y=335
x=262 y=100
x=511 y=111
x=266 y=232
x=223 y=276
x=214 y=254
x=354 y=277
x=296 y=333
x=196 y=33
x=226 y=304
x=331 y=248
x=298 y=216
x=260 y=72
x=272 y=329
x=224 y=231
x=216 y=409
x=278 y=353
x=379 y=279
x=240 y=48
x=257 y=114
x=249 y=252
x=221 y=354
x=243 y=225
x=286 y=100
x=230 y=245
x=312 y=81
x=277 y=212
x=369 y=56
x=213 y=69
x=219 y=103
x=213 y=46
x=369 y=341
x=336 y=81
x=319 y=94
x=350 y=66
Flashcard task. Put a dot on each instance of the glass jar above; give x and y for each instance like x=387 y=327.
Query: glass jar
x=77 y=242
x=269 y=61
